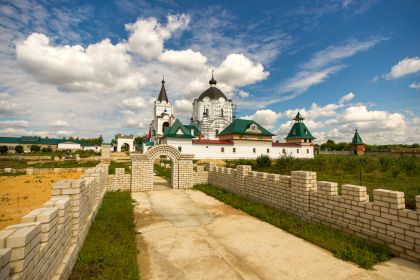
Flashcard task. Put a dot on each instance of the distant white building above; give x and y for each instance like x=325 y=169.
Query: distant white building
x=215 y=133
x=123 y=142
x=69 y=145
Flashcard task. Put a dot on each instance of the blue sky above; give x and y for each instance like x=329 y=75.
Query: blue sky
x=83 y=68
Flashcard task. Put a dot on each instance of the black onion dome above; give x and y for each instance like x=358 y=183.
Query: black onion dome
x=212 y=93
x=212 y=81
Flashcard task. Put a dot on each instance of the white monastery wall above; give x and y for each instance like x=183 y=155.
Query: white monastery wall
x=237 y=151
x=46 y=243
x=385 y=220
x=69 y=146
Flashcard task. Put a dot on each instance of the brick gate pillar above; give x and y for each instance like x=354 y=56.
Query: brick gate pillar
x=141 y=173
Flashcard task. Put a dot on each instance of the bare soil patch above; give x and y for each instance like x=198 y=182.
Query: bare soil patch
x=21 y=194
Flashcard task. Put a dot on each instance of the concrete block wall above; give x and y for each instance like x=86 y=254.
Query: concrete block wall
x=385 y=220
x=46 y=242
x=200 y=175
x=119 y=181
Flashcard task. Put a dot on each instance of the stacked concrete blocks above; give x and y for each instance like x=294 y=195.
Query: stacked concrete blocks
x=385 y=220
x=119 y=181
x=46 y=243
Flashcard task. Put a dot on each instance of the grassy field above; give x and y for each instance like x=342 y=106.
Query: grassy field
x=341 y=244
x=162 y=171
x=49 y=164
x=109 y=251
x=393 y=173
x=115 y=164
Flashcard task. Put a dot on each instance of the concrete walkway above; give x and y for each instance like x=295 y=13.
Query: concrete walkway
x=189 y=235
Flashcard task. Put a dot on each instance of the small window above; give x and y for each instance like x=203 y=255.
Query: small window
x=221 y=112
x=268 y=151
x=284 y=151
x=307 y=151
x=207 y=147
x=234 y=150
x=222 y=149
x=304 y=140
x=180 y=148
x=310 y=140
x=294 y=132
x=254 y=150
x=217 y=132
x=297 y=151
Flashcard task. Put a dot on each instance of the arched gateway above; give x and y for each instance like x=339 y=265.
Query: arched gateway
x=142 y=168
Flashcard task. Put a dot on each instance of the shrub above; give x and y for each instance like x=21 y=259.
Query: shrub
x=35 y=148
x=46 y=150
x=19 y=149
x=3 y=150
x=263 y=161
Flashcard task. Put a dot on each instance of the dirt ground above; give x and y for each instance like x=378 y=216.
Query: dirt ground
x=21 y=194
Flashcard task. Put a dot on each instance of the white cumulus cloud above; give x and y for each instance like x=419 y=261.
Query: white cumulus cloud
x=147 y=36
x=14 y=123
x=404 y=67
x=101 y=66
x=59 y=123
x=415 y=85
x=267 y=118
x=135 y=102
x=186 y=59
x=239 y=70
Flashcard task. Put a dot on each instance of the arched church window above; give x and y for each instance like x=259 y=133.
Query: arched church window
x=207 y=112
x=217 y=132
x=221 y=112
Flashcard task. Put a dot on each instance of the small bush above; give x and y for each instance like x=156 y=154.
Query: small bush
x=3 y=150
x=19 y=149
x=46 y=150
x=35 y=148
x=263 y=161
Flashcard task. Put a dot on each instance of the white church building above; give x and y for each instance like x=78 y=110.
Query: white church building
x=214 y=132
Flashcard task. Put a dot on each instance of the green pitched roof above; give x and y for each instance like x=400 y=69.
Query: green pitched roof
x=299 y=130
x=298 y=117
x=34 y=140
x=357 y=139
x=191 y=126
x=240 y=126
x=178 y=130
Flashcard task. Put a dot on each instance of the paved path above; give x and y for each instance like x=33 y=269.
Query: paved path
x=189 y=235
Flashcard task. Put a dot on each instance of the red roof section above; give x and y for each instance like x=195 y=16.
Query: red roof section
x=275 y=144
x=208 y=141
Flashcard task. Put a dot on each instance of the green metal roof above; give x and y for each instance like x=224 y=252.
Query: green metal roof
x=34 y=140
x=298 y=117
x=191 y=126
x=299 y=131
x=177 y=126
x=240 y=126
x=357 y=139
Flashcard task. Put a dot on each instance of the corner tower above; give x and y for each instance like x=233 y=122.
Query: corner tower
x=212 y=111
x=299 y=133
x=163 y=115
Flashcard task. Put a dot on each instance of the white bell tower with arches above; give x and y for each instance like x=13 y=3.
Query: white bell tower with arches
x=163 y=115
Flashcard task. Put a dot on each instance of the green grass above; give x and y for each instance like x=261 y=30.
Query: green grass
x=13 y=174
x=18 y=164
x=109 y=251
x=383 y=172
x=115 y=164
x=341 y=244
x=162 y=171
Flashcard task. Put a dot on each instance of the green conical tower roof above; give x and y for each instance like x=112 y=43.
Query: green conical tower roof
x=299 y=129
x=298 y=117
x=357 y=140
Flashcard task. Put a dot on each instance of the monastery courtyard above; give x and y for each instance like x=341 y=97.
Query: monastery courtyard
x=183 y=233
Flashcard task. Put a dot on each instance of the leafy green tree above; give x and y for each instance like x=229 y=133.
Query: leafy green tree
x=3 y=150
x=35 y=148
x=138 y=141
x=19 y=149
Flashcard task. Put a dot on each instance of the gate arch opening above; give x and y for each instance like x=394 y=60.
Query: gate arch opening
x=142 y=168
